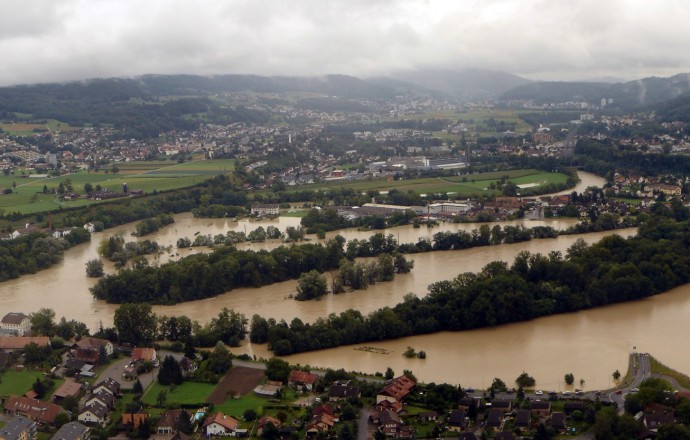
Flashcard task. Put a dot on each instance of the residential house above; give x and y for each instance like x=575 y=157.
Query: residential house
x=396 y=389
x=17 y=343
x=188 y=366
x=504 y=405
x=299 y=379
x=109 y=385
x=385 y=405
x=41 y=412
x=523 y=418
x=133 y=420
x=467 y=402
x=263 y=421
x=177 y=435
x=342 y=391
x=495 y=418
x=103 y=397
x=558 y=421
x=15 y=323
x=457 y=420
x=88 y=348
x=142 y=354
x=323 y=409
x=19 y=428
x=220 y=424
x=427 y=416
x=72 y=431
x=504 y=436
x=319 y=423
x=68 y=388
x=95 y=413
x=170 y=421
x=656 y=416
x=540 y=409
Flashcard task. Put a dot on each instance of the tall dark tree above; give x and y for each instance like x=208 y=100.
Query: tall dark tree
x=170 y=372
x=136 y=324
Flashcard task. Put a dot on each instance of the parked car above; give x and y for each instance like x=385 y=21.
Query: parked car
x=539 y=392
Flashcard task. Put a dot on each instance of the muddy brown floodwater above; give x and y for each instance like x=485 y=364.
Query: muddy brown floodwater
x=590 y=344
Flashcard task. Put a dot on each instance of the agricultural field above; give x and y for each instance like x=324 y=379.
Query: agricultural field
x=461 y=186
x=28 y=196
x=238 y=381
x=28 y=128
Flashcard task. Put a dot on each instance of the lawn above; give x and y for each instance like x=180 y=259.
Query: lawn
x=186 y=393
x=18 y=382
x=659 y=368
x=237 y=407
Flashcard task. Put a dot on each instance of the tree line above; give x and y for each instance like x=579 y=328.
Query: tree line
x=205 y=275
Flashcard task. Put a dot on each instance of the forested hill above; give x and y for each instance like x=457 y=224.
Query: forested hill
x=142 y=107
x=677 y=109
x=632 y=95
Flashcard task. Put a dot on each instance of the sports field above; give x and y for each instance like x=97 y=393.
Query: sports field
x=28 y=196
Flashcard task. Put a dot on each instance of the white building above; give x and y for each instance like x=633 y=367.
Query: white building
x=15 y=323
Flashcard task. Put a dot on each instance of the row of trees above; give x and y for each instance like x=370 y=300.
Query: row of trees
x=138 y=325
x=613 y=270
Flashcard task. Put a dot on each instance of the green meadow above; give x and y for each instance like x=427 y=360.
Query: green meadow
x=28 y=196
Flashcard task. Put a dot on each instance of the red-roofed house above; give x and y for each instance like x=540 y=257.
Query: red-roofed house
x=40 y=412
x=220 y=424
x=17 y=343
x=263 y=421
x=320 y=423
x=396 y=390
x=68 y=388
x=140 y=354
x=134 y=419
x=300 y=379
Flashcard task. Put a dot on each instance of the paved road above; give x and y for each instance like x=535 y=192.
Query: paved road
x=363 y=424
x=117 y=368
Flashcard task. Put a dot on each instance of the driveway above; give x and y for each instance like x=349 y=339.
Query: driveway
x=117 y=368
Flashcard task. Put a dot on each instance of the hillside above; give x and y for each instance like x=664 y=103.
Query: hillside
x=143 y=108
x=632 y=95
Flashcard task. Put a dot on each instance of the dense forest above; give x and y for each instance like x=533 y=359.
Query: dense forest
x=611 y=271
x=33 y=252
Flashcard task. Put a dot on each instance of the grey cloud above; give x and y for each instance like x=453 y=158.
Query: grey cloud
x=74 y=39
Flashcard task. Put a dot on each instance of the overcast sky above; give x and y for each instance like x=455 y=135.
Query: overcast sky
x=60 y=40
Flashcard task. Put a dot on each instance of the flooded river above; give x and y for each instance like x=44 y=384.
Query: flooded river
x=590 y=344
